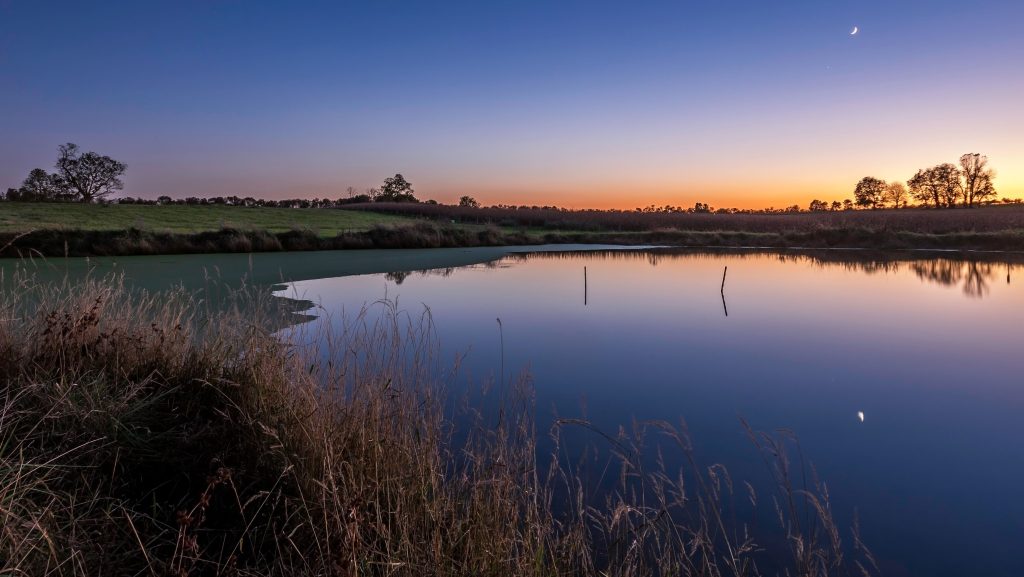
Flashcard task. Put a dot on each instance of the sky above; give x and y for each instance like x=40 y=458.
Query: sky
x=737 y=103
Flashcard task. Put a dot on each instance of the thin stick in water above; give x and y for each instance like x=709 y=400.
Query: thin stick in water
x=724 y=307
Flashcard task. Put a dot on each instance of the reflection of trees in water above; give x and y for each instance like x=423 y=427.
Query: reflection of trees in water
x=978 y=275
x=866 y=266
x=652 y=256
x=974 y=274
x=399 y=277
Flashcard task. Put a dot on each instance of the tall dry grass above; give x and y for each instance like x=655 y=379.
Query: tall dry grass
x=157 y=435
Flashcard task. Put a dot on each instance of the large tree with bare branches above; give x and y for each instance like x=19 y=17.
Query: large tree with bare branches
x=976 y=178
x=88 y=176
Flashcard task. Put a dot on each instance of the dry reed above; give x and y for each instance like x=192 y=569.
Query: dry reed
x=154 y=435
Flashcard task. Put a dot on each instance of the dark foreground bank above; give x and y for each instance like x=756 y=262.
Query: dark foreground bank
x=433 y=235
x=147 y=436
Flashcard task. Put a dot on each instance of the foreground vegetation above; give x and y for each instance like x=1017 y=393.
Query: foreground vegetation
x=146 y=435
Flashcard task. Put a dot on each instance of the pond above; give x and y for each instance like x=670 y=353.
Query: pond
x=901 y=373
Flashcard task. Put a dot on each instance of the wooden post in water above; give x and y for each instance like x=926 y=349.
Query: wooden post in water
x=724 y=307
x=584 y=286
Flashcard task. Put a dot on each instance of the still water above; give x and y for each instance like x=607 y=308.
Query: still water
x=928 y=350
x=901 y=373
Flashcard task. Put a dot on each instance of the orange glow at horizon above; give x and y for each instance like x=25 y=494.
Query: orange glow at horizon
x=628 y=197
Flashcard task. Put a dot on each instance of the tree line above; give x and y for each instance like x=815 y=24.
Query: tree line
x=942 y=186
x=90 y=177
x=394 y=189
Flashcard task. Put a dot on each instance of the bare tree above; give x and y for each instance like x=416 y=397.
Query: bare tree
x=88 y=176
x=985 y=190
x=976 y=178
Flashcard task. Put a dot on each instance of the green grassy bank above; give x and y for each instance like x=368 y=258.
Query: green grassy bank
x=16 y=217
x=56 y=243
x=84 y=230
x=146 y=435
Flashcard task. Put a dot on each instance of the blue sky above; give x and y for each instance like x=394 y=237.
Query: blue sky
x=748 y=103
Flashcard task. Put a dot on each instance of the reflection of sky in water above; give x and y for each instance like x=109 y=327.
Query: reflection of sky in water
x=902 y=377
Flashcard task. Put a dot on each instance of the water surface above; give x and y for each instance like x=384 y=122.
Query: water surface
x=927 y=346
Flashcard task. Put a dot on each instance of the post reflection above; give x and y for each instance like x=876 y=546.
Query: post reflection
x=974 y=274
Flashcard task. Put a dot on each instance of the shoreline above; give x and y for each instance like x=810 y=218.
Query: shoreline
x=136 y=242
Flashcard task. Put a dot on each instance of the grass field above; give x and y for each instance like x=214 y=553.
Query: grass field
x=95 y=230
x=23 y=216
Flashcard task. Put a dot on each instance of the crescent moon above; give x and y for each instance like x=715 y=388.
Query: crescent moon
x=854 y=31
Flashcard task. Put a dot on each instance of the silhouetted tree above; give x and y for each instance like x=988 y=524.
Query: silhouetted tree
x=836 y=205
x=922 y=188
x=469 y=201
x=40 y=186
x=977 y=178
x=869 y=192
x=396 y=189
x=939 y=185
x=88 y=176
x=896 y=193
x=847 y=204
x=817 y=205
x=948 y=178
